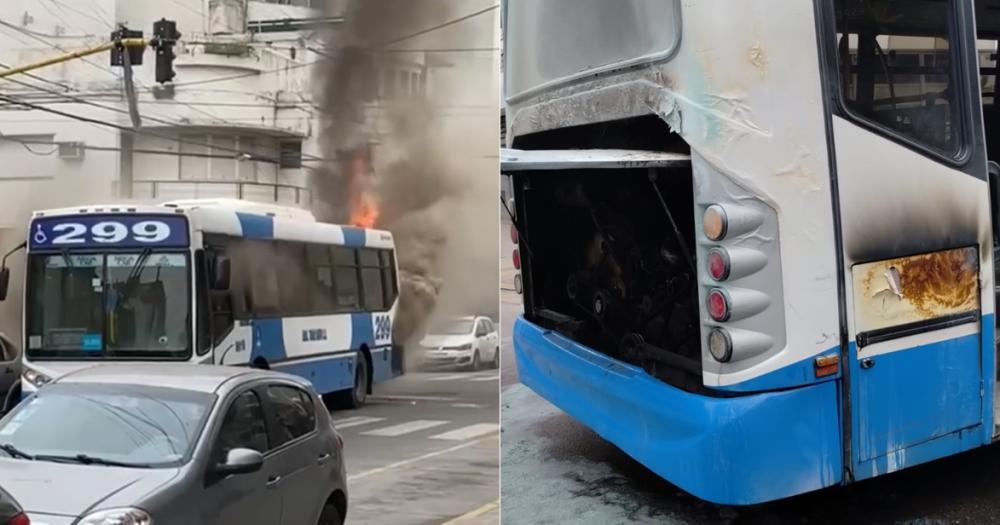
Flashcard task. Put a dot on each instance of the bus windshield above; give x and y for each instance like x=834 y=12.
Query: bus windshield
x=133 y=305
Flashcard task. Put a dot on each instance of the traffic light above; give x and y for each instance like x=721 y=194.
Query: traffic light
x=165 y=37
x=118 y=52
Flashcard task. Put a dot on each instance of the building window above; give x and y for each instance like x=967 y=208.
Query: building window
x=290 y=156
x=298 y=3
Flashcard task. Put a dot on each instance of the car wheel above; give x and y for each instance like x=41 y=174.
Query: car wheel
x=496 y=359
x=475 y=361
x=330 y=516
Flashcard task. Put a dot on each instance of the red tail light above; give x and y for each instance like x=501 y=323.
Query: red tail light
x=718 y=305
x=20 y=519
x=517 y=259
x=513 y=234
x=718 y=264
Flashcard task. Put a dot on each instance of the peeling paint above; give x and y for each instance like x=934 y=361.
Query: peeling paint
x=758 y=59
x=798 y=171
x=734 y=107
x=908 y=289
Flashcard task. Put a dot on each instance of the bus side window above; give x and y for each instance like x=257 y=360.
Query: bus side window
x=389 y=284
x=345 y=278
x=898 y=73
x=220 y=302
x=320 y=278
x=371 y=280
x=291 y=273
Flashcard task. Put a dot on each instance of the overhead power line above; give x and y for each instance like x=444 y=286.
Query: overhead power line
x=28 y=143
x=443 y=25
x=246 y=154
x=88 y=61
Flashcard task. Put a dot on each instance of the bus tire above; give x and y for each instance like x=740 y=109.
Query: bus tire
x=356 y=396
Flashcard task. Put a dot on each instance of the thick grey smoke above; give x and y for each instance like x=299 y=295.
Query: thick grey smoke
x=430 y=184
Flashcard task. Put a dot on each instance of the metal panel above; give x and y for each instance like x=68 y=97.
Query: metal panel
x=553 y=42
x=724 y=450
x=526 y=160
x=916 y=395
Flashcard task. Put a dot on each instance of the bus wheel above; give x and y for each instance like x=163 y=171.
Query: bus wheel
x=356 y=396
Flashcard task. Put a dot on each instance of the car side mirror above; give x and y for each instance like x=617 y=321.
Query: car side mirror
x=221 y=277
x=4 y=282
x=240 y=461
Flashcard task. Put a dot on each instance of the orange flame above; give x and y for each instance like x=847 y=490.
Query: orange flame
x=364 y=210
x=364 y=213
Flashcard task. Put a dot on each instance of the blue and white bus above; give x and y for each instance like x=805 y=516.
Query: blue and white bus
x=757 y=239
x=212 y=282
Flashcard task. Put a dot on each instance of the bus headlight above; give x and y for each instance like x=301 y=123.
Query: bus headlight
x=35 y=377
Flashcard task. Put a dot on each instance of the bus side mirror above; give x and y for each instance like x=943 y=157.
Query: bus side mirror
x=4 y=282
x=221 y=278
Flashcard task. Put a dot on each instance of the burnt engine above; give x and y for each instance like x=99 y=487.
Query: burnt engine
x=626 y=282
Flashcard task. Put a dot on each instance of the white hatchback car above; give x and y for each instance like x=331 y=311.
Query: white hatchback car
x=466 y=342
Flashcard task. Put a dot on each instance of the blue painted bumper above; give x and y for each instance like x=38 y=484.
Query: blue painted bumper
x=734 y=451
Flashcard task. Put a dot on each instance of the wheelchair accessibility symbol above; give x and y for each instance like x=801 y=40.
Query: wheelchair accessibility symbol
x=40 y=237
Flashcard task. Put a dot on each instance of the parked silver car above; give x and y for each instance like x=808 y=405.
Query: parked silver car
x=174 y=444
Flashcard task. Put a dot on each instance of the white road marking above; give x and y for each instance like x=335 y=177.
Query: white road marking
x=448 y=377
x=413 y=398
x=406 y=462
x=469 y=432
x=474 y=405
x=474 y=513
x=405 y=428
x=356 y=421
x=486 y=378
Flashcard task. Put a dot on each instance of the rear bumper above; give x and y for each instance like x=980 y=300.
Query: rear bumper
x=734 y=451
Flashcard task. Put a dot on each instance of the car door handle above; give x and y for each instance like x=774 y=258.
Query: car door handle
x=322 y=459
x=273 y=480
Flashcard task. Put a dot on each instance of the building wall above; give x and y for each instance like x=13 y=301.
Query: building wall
x=268 y=104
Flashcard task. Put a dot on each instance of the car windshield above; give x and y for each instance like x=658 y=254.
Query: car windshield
x=115 y=305
x=451 y=327
x=128 y=424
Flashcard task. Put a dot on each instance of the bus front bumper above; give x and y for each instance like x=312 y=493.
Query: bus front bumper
x=733 y=451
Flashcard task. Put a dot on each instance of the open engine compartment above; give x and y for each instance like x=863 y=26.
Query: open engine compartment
x=604 y=266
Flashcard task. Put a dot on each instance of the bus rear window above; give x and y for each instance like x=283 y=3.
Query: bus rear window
x=559 y=40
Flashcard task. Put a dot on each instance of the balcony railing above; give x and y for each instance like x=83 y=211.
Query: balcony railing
x=198 y=189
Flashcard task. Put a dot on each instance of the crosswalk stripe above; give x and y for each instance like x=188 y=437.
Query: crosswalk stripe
x=486 y=378
x=404 y=428
x=356 y=421
x=469 y=432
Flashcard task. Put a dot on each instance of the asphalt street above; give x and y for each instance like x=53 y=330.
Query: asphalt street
x=424 y=451
x=557 y=471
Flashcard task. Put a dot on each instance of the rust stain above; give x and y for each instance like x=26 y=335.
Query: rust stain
x=939 y=281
